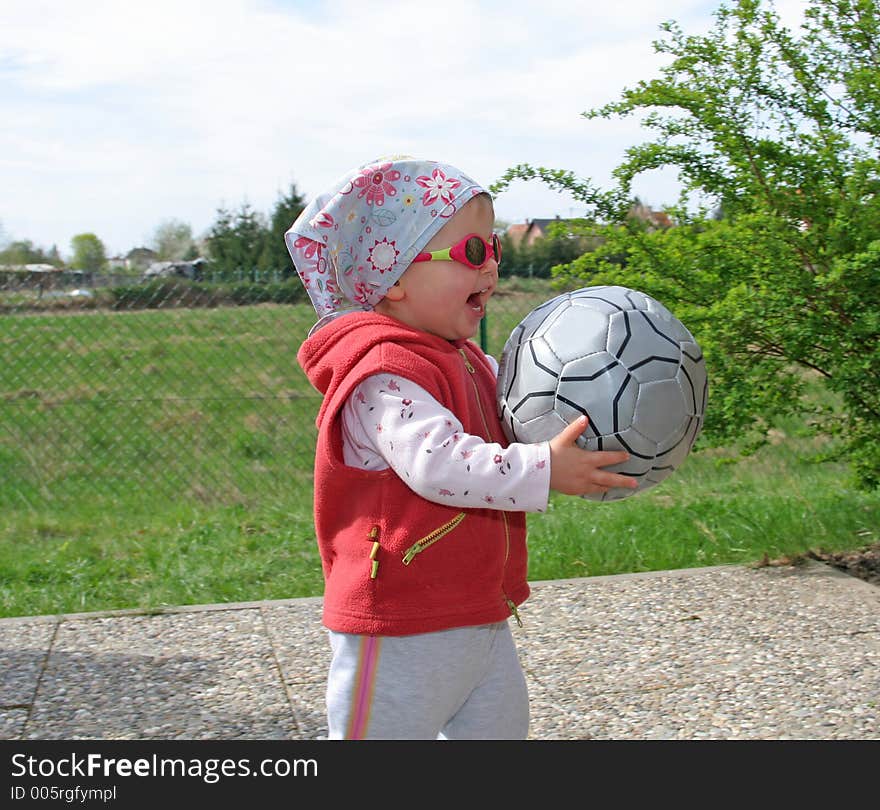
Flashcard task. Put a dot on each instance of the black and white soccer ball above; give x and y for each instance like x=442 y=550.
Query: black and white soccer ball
x=619 y=357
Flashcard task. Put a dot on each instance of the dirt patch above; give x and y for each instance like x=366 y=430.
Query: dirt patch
x=863 y=563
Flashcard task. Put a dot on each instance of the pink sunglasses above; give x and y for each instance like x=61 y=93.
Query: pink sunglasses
x=472 y=250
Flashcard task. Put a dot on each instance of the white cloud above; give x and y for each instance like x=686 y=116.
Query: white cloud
x=120 y=115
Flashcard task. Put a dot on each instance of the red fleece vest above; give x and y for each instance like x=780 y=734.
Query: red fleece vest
x=395 y=563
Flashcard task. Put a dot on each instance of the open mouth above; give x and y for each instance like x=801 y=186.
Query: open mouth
x=477 y=300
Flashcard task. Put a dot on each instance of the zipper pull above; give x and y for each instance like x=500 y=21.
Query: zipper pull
x=410 y=553
x=374 y=551
x=515 y=612
x=374 y=563
x=467 y=363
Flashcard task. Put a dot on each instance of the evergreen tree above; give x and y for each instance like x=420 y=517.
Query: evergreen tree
x=236 y=243
x=287 y=208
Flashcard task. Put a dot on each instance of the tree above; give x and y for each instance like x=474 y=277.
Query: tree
x=173 y=240
x=563 y=242
x=511 y=264
x=287 y=208
x=236 y=243
x=779 y=280
x=25 y=252
x=54 y=257
x=88 y=253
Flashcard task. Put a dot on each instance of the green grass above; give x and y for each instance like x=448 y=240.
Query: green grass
x=161 y=458
x=101 y=558
x=772 y=505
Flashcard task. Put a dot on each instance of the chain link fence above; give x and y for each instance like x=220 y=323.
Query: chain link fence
x=116 y=390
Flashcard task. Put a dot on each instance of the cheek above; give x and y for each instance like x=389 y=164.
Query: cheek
x=454 y=281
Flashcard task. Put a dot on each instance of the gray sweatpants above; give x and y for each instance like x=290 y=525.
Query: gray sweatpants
x=461 y=684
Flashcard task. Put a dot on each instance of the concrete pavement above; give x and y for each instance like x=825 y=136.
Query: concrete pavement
x=729 y=652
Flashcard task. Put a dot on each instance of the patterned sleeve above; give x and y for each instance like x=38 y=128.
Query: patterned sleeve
x=392 y=422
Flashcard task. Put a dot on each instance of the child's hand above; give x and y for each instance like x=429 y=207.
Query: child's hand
x=575 y=471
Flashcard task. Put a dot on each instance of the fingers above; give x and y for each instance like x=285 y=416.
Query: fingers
x=601 y=479
x=600 y=486
x=571 y=432
x=577 y=471
x=610 y=480
x=607 y=458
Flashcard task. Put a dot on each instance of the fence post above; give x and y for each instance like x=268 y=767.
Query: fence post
x=484 y=338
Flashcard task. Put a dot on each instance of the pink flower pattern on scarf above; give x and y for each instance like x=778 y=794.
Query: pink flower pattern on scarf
x=375 y=182
x=438 y=185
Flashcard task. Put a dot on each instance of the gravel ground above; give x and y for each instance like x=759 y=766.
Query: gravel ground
x=781 y=651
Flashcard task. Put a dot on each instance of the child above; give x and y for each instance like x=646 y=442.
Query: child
x=419 y=500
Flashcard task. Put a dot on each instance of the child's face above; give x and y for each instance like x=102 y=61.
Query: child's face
x=447 y=298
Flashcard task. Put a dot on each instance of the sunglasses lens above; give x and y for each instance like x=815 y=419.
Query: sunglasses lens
x=475 y=251
x=496 y=248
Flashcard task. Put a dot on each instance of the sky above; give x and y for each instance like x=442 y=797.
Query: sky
x=119 y=116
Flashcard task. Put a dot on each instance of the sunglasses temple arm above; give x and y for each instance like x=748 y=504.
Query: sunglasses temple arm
x=434 y=254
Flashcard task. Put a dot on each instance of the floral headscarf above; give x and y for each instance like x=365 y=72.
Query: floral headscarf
x=354 y=241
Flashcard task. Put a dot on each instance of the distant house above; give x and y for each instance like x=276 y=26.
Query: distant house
x=41 y=277
x=655 y=219
x=516 y=233
x=190 y=270
x=29 y=268
x=529 y=232
x=37 y=276
x=140 y=258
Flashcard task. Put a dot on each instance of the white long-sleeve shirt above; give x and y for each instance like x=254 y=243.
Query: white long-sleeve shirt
x=392 y=422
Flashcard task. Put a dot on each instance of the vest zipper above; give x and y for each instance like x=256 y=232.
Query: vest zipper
x=472 y=371
x=429 y=540
x=510 y=603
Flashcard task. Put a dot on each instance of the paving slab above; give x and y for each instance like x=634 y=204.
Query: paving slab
x=195 y=675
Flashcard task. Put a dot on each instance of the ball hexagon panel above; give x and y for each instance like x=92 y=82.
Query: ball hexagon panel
x=612 y=395
x=548 y=317
x=674 y=451
x=660 y=410
x=575 y=332
x=676 y=437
